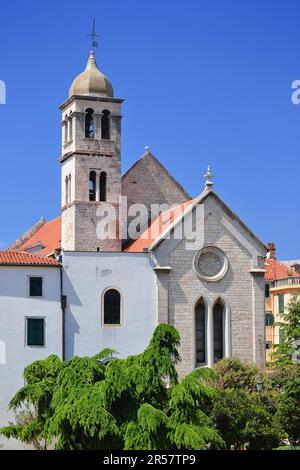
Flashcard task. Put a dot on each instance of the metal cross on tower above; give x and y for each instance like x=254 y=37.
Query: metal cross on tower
x=93 y=35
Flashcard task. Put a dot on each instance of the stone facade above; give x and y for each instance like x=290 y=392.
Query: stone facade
x=148 y=182
x=241 y=290
x=80 y=156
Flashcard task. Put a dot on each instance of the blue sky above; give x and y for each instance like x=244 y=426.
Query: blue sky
x=204 y=82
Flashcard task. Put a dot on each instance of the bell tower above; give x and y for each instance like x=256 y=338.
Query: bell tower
x=91 y=163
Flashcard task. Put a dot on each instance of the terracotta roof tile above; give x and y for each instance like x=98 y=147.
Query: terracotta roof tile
x=21 y=258
x=277 y=270
x=156 y=228
x=49 y=236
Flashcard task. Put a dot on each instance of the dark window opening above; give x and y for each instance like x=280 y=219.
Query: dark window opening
x=92 y=186
x=35 y=286
x=269 y=319
x=112 y=307
x=267 y=290
x=200 y=334
x=35 y=331
x=89 y=124
x=105 y=125
x=218 y=332
x=102 y=182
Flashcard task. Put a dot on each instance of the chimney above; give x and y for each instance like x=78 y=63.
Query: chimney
x=272 y=250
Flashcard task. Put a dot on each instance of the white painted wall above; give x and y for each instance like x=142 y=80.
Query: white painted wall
x=15 y=305
x=86 y=276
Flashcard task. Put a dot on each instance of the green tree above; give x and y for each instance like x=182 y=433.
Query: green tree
x=289 y=408
x=32 y=403
x=133 y=403
x=229 y=415
x=283 y=354
x=240 y=413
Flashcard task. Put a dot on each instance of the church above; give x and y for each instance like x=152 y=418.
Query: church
x=127 y=252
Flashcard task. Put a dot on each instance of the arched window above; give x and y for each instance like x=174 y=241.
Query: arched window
x=66 y=190
x=112 y=307
x=92 y=186
x=70 y=126
x=70 y=189
x=65 y=130
x=89 y=124
x=105 y=125
x=200 y=336
x=102 y=184
x=218 y=331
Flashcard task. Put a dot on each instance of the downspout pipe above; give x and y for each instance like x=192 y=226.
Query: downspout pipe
x=63 y=304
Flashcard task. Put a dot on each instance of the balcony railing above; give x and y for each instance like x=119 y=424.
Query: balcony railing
x=289 y=281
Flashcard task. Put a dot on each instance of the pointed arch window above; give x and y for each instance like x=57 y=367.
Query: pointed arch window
x=89 y=123
x=70 y=189
x=112 y=307
x=218 y=331
x=105 y=125
x=102 y=184
x=200 y=333
x=92 y=186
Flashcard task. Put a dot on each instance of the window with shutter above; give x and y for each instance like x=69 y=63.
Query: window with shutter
x=35 y=332
x=281 y=303
x=267 y=290
x=281 y=335
x=269 y=319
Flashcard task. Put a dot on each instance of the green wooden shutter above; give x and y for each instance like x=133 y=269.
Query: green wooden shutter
x=35 y=331
x=269 y=319
x=281 y=335
x=281 y=303
x=267 y=290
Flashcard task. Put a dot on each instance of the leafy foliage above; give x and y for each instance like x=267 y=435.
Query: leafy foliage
x=133 y=403
x=291 y=333
x=289 y=408
x=241 y=414
x=101 y=402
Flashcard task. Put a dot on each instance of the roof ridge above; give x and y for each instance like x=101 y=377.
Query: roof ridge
x=21 y=240
x=149 y=154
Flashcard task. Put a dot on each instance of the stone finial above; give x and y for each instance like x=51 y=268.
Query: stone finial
x=147 y=149
x=209 y=178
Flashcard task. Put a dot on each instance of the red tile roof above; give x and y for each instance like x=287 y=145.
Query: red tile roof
x=21 y=258
x=156 y=228
x=277 y=270
x=49 y=236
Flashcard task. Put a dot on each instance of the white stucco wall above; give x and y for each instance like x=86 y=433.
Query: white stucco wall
x=15 y=306
x=86 y=276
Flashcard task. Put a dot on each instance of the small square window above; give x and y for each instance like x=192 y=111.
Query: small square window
x=35 y=286
x=35 y=332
